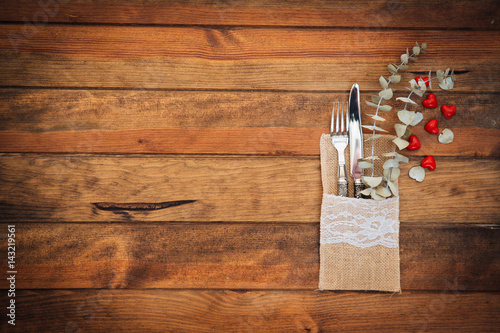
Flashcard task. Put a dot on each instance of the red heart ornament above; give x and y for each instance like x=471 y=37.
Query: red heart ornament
x=432 y=126
x=428 y=163
x=414 y=143
x=425 y=78
x=431 y=101
x=448 y=111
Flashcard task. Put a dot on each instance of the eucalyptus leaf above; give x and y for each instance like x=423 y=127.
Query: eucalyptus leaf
x=402 y=144
x=366 y=191
x=372 y=104
x=374 y=137
x=446 y=136
x=400 y=129
x=392 y=163
x=376 y=197
x=383 y=191
x=376 y=99
x=394 y=188
x=396 y=154
x=422 y=85
x=401 y=158
x=392 y=69
x=386 y=94
x=395 y=78
x=416 y=50
x=406 y=117
x=417 y=119
x=404 y=67
x=406 y=100
x=394 y=172
x=440 y=75
x=372 y=181
x=383 y=82
x=365 y=165
x=375 y=117
x=417 y=173
x=385 y=108
x=404 y=58
x=376 y=128
x=447 y=84
x=418 y=92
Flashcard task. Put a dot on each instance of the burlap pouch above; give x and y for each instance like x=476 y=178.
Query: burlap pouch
x=359 y=238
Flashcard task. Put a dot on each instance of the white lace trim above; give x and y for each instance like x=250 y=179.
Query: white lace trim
x=359 y=222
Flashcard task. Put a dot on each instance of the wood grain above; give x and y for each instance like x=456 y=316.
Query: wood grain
x=253 y=311
x=234 y=256
x=214 y=122
x=237 y=58
x=234 y=189
x=229 y=241
x=277 y=141
x=363 y=14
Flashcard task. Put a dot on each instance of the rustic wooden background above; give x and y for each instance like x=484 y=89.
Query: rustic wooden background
x=109 y=109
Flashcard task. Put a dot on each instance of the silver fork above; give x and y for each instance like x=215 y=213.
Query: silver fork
x=340 y=139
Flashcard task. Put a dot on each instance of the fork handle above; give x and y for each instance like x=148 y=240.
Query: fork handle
x=342 y=188
x=342 y=181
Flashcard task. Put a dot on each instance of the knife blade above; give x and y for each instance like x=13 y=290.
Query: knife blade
x=355 y=139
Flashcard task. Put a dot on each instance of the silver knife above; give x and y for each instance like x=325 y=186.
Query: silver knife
x=355 y=139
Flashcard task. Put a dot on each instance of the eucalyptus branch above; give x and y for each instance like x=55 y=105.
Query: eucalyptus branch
x=376 y=190
x=384 y=186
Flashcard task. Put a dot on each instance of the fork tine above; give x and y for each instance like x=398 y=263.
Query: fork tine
x=337 y=118
x=342 y=118
x=340 y=115
x=333 y=117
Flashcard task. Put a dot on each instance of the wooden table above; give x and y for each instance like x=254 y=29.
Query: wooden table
x=160 y=163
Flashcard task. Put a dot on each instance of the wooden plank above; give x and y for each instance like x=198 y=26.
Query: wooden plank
x=237 y=59
x=252 y=311
x=213 y=122
x=278 y=141
x=378 y=13
x=41 y=110
x=234 y=189
x=234 y=256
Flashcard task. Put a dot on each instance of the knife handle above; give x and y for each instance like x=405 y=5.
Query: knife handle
x=358 y=188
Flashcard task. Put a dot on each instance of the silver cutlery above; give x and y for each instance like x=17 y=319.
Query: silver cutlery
x=355 y=139
x=340 y=139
